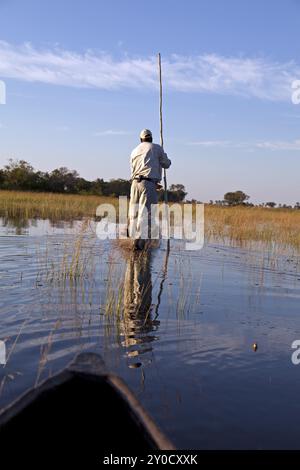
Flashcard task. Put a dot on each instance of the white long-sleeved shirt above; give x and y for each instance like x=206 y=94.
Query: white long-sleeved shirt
x=147 y=160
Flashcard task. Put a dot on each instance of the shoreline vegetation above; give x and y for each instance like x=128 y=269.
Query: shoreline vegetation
x=240 y=225
x=19 y=175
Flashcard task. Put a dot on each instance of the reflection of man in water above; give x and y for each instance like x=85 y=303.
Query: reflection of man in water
x=137 y=324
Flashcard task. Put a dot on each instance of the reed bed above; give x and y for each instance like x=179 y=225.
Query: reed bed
x=30 y=205
x=242 y=226
x=246 y=226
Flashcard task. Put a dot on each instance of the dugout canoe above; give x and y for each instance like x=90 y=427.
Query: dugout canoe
x=83 y=409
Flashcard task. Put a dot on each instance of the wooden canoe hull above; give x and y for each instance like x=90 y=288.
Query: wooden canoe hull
x=83 y=409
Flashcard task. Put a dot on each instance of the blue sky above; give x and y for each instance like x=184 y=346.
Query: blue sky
x=81 y=82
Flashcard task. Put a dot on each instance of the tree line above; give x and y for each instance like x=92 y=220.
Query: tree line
x=238 y=198
x=20 y=175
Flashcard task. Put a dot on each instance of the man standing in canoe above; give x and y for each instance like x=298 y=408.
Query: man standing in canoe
x=147 y=161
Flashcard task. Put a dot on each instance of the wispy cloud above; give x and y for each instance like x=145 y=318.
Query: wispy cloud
x=221 y=144
x=280 y=145
x=207 y=73
x=111 y=132
x=266 y=145
x=212 y=143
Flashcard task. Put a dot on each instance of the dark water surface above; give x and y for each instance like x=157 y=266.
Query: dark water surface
x=178 y=330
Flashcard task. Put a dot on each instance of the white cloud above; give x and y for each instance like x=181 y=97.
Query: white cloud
x=212 y=143
x=267 y=145
x=221 y=143
x=280 y=145
x=208 y=73
x=111 y=132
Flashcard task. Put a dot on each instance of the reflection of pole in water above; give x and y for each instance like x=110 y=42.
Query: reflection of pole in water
x=137 y=322
x=163 y=279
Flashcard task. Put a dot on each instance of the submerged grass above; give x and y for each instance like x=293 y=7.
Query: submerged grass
x=69 y=257
x=80 y=275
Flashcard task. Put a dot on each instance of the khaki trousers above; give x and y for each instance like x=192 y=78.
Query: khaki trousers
x=141 y=215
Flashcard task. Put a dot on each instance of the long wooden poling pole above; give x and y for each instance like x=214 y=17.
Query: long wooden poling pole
x=161 y=125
